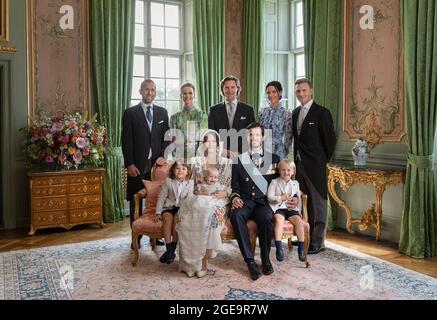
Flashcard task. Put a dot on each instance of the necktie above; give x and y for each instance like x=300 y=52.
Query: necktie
x=231 y=114
x=256 y=159
x=300 y=119
x=149 y=114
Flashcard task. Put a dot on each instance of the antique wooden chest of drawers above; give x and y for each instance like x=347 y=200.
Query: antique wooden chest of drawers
x=65 y=198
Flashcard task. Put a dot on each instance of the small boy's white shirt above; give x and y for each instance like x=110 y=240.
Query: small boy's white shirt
x=277 y=188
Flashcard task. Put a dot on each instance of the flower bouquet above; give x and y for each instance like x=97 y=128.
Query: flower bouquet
x=65 y=141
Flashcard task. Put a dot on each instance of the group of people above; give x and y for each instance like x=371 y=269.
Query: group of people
x=227 y=179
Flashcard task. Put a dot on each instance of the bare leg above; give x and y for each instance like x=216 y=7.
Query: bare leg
x=298 y=224
x=278 y=221
x=205 y=259
x=173 y=229
x=167 y=225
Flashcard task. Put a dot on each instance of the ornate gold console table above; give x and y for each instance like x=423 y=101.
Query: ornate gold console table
x=347 y=175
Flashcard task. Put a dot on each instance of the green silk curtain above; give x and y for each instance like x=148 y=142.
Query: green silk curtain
x=419 y=220
x=209 y=50
x=253 y=37
x=323 y=63
x=112 y=47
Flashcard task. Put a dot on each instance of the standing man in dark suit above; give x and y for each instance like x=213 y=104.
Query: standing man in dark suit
x=143 y=135
x=251 y=176
x=230 y=114
x=314 y=145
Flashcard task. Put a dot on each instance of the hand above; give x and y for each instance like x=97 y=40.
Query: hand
x=291 y=203
x=133 y=171
x=284 y=197
x=161 y=161
x=237 y=203
x=230 y=154
x=157 y=218
x=220 y=194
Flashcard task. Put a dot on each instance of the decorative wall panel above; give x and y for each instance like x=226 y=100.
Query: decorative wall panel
x=373 y=70
x=58 y=56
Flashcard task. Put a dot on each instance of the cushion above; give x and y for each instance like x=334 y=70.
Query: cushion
x=153 y=189
x=159 y=173
x=228 y=231
x=146 y=224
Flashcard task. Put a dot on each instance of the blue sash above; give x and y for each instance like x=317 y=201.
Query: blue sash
x=254 y=173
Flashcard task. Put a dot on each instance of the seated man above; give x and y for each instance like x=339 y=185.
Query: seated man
x=250 y=179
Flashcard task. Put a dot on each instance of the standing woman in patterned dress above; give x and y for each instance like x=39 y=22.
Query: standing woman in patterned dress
x=278 y=119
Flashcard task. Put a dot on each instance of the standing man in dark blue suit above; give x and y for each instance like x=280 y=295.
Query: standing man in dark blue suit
x=314 y=145
x=230 y=114
x=143 y=140
x=250 y=179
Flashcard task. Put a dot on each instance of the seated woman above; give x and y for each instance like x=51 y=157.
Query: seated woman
x=201 y=219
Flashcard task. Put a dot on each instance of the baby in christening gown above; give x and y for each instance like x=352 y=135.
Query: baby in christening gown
x=211 y=187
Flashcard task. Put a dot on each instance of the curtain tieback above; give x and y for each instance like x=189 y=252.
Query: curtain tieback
x=421 y=162
x=113 y=152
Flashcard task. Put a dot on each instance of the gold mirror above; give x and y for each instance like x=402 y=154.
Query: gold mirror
x=4 y=36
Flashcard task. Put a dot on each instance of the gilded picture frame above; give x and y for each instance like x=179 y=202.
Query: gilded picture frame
x=4 y=20
x=58 y=59
x=373 y=82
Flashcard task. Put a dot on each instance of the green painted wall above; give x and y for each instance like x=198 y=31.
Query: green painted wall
x=13 y=117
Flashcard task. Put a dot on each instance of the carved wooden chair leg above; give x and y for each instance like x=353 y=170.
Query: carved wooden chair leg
x=153 y=243
x=135 y=246
x=306 y=246
x=290 y=244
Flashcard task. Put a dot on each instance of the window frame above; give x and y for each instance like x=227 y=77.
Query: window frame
x=147 y=51
x=292 y=54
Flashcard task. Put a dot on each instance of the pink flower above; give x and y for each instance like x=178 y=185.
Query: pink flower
x=81 y=143
x=86 y=152
x=62 y=158
x=77 y=157
x=72 y=123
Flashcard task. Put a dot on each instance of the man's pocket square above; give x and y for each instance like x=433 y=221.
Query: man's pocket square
x=243 y=118
x=161 y=122
x=312 y=123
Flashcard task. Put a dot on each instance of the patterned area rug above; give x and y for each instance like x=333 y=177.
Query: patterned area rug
x=103 y=270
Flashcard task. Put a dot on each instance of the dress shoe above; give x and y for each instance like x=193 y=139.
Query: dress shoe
x=190 y=274
x=280 y=254
x=254 y=271
x=315 y=250
x=302 y=255
x=202 y=273
x=163 y=258
x=170 y=257
x=267 y=268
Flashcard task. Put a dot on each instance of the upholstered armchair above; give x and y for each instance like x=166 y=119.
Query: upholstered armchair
x=146 y=225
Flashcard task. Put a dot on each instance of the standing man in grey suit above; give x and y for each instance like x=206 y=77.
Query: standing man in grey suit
x=314 y=145
x=143 y=141
x=231 y=113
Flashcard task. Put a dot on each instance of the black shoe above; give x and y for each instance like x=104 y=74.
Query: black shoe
x=164 y=258
x=315 y=250
x=254 y=271
x=279 y=254
x=302 y=256
x=170 y=257
x=267 y=268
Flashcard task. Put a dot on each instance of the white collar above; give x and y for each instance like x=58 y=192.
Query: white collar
x=235 y=102
x=308 y=105
x=146 y=105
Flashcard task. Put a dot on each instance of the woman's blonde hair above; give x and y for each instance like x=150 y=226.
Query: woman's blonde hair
x=289 y=163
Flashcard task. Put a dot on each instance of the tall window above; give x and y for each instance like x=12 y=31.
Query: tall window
x=284 y=39
x=160 y=50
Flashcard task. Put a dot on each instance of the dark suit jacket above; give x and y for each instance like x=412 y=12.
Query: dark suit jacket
x=137 y=140
x=243 y=185
x=218 y=119
x=316 y=144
